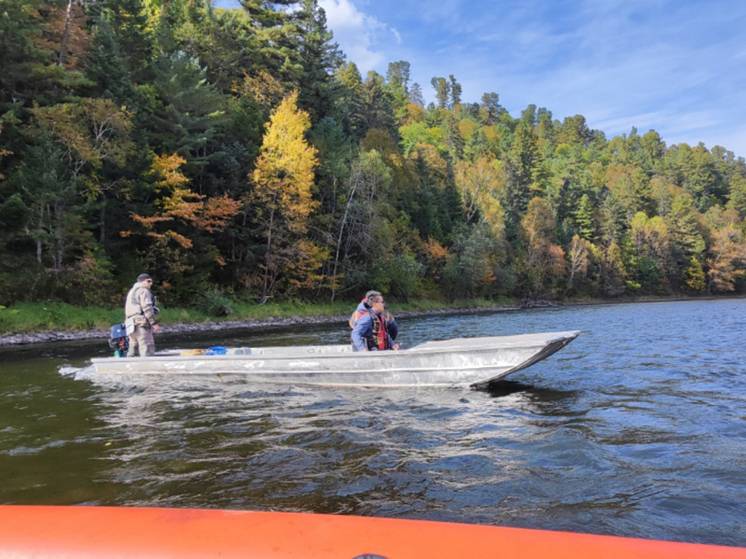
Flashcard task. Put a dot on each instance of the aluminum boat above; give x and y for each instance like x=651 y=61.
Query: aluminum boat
x=456 y=362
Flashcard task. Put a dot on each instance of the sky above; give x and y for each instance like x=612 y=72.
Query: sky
x=675 y=66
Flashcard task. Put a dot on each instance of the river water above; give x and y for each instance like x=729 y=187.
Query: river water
x=637 y=428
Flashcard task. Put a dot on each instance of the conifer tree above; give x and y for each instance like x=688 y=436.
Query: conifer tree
x=522 y=161
x=490 y=108
x=415 y=95
x=584 y=218
x=378 y=104
x=320 y=58
x=350 y=104
x=128 y=21
x=442 y=91
x=455 y=88
x=397 y=76
x=454 y=141
x=190 y=112
x=613 y=272
x=687 y=243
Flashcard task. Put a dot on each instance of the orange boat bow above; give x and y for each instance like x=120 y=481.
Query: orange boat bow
x=110 y=532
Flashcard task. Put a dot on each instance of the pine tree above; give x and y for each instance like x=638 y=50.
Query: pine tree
x=687 y=242
x=415 y=95
x=455 y=88
x=442 y=91
x=128 y=20
x=584 y=218
x=613 y=272
x=378 y=104
x=320 y=58
x=477 y=145
x=107 y=65
x=397 y=76
x=737 y=194
x=190 y=112
x=350 y=105
x=695 y=276
x=490 y=108
x=522 y=161
x=454 y=141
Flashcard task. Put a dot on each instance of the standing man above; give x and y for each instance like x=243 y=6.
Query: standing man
x=376 y=329
x=141 y=317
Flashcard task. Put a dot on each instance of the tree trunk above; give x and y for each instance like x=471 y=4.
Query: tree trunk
x=339 y=239
x=61 y=59
x=102 y=223
x=59 y=237
x=39 y=244
x=268 y=258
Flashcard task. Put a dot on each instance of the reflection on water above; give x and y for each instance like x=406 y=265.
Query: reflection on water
x=636 y=428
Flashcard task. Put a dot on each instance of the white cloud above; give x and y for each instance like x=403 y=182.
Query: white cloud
x=611 y=64
x=359 y=34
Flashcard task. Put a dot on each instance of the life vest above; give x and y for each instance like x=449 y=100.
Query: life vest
x=380 y=337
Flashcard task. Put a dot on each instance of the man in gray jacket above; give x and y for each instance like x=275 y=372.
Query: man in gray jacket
x=141 y=317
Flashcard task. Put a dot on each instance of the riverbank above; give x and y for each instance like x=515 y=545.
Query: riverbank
x=31 y=323
x=39 y=323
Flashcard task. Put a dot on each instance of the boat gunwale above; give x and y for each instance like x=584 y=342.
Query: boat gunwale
x=259 y=372
x=569 y=335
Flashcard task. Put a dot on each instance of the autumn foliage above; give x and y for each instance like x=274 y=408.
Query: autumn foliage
x=234 y=152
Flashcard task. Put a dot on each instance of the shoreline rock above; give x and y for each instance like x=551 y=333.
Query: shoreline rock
x=279 y=323
x=23 y=340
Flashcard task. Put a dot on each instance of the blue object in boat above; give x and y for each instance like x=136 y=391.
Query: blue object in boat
x=216 y=350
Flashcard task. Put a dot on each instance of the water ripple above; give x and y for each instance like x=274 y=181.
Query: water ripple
x=637 y=428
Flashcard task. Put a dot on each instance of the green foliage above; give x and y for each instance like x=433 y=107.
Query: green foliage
x=442 y=91
x=420 y=133
x=584 y=218
x=695 y=276
x=215 y=303
x=398 y=275
x=188 y=109
x=472 y=265
x=141 y=139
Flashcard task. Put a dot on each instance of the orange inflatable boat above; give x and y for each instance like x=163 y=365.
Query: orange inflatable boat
x=87 y=532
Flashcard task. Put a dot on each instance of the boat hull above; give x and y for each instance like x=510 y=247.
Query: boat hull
x=88 y=532
x=463 y=361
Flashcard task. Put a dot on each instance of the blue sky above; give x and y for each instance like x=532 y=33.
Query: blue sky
x=678 y=67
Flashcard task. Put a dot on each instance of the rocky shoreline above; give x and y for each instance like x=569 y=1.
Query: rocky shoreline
x=9 y=341
x=23 y=339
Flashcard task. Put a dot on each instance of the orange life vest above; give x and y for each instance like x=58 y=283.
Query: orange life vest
x=380 y=333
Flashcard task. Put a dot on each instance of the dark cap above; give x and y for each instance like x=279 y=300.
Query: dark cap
x=143 y=277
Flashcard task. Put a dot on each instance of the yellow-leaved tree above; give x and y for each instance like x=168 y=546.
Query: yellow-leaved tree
x=283 y=181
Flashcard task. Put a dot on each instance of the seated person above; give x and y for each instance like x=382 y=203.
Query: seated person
x=362 y=309
x=374 y=329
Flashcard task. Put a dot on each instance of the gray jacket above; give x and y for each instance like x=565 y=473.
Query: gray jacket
x=140 y=305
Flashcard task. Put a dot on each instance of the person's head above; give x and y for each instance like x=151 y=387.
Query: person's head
x=375 y=301
x=369 y=294
x=145 y=279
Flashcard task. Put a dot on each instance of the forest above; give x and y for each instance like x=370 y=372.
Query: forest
x=239 y=154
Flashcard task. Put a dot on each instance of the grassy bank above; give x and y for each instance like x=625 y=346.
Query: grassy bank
x=40 y=317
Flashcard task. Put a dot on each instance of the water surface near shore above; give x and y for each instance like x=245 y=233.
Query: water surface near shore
x=636 y=428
